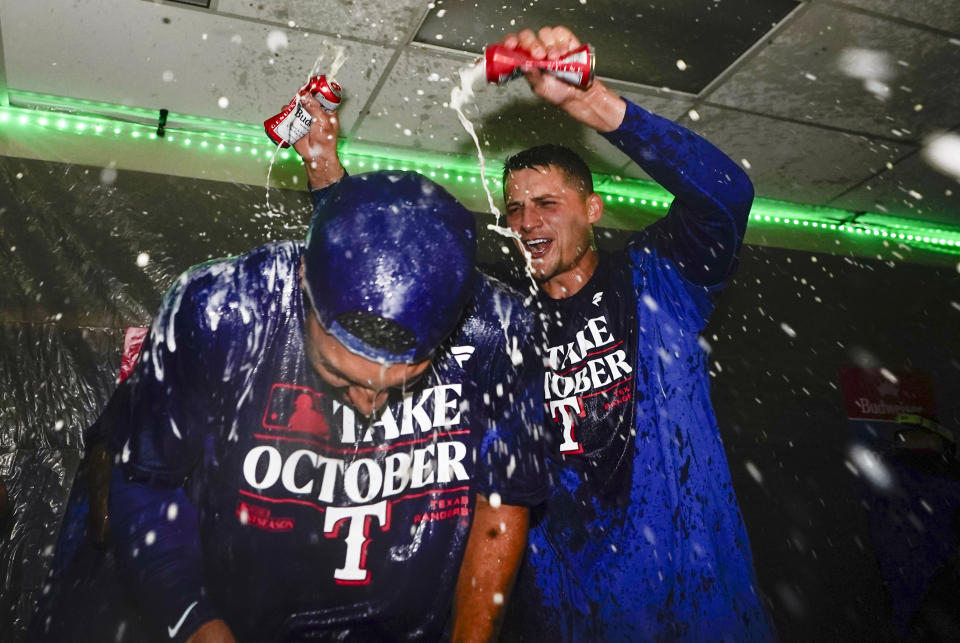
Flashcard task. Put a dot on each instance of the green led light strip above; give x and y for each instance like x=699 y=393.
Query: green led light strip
x=106 y=120
x=851 y=225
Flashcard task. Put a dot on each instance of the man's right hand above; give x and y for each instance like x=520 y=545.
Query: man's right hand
x=597 y=106
x=319 y=147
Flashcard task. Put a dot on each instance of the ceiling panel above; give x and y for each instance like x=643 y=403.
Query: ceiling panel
x=386 y=21
x=801 y=75
x=636 y=42
x=154 y=53
x=942 y=14
x=896 y=192
x=410 y=111
x=791 y=161
x=176 y=58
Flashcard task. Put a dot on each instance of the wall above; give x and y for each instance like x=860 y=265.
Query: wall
x=779 y=406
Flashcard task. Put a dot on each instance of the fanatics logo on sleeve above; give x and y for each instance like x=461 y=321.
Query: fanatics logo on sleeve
x=462 y=354
x=593 y=364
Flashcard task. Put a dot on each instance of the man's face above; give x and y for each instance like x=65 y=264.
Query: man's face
x=363 y=384
x=553 y=219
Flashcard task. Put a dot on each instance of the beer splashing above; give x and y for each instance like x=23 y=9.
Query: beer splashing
x=459 y=96
x=462 y=95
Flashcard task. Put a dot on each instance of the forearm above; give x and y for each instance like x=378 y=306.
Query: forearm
x=323 y=172
x=685 y=164
x=215 y=631
x=704 y=229
x=691 y=168
x=157 y=543
x=492 y=558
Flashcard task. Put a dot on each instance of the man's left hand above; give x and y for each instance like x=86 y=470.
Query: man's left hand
x=319 y=147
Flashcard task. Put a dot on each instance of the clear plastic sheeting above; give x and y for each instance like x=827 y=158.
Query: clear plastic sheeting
x=84 y=253
x=52 y=384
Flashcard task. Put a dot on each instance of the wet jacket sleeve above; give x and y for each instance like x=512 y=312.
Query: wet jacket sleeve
x=159 y=440
x=157 y=543
x=704 y=227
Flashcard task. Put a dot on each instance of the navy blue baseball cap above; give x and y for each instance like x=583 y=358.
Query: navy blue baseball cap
x=389 y=265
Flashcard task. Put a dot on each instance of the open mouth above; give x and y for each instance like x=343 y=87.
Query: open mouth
x=537 y=247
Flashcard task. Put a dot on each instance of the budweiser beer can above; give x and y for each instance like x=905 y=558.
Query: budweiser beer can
x=503 y=64
x=293 y=123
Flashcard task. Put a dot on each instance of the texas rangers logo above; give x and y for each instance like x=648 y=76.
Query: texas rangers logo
x=354 y=472
x=593 y=364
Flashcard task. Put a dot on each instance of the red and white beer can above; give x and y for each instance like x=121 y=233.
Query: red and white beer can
x=293 y=123
x=504 y=64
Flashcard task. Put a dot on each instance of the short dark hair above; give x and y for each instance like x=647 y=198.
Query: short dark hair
x=377 y=331
x=544 y=156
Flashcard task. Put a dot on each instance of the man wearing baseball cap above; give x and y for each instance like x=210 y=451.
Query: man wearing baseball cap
x=415 y=445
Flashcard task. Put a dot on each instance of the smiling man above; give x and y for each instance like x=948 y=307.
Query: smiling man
x=320 y=433
x=641 y=538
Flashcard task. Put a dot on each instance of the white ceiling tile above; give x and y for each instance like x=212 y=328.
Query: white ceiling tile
x=795 y=162
x=68 y=49
x=911 y=189
x=799 y=75
x=387 y=21
x=942 y=14
x=410 y=111
x=118 y=52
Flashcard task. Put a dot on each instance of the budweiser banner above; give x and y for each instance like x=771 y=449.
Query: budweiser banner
x=908 y=480
x=879 y=394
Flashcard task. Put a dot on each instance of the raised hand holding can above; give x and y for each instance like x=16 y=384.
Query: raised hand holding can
x=503 y=64
x=293 y=123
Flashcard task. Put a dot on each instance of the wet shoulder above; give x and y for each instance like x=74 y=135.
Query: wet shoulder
x=496 y=310
x=234 y=293
x=615 y=268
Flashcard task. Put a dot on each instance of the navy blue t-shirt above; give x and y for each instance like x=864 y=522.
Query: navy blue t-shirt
x=310 y=521
x=589 y=381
